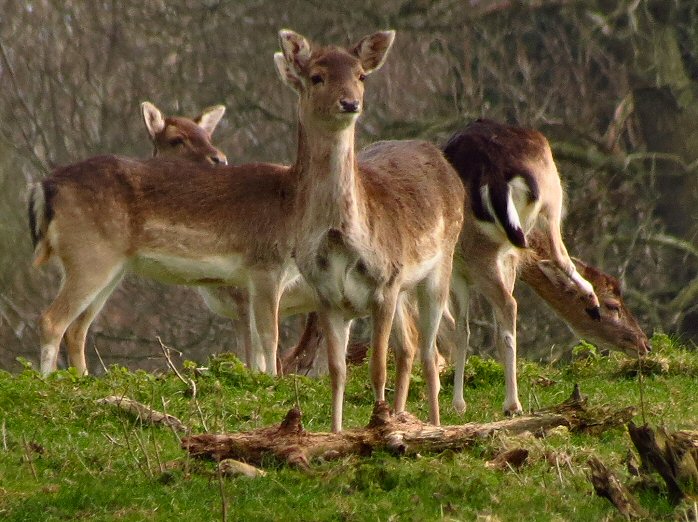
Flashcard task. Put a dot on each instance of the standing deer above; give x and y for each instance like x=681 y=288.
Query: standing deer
x=172 y=136
x=513 y=185
x=169 y=219
x=366 y=231
x=191 y=139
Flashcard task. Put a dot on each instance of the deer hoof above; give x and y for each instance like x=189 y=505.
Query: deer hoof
x=459 y=405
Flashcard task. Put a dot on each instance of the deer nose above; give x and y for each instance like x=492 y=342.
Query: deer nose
x=349 y=105
x=218 y=159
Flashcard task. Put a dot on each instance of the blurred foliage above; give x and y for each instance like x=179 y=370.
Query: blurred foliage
x=612 y=84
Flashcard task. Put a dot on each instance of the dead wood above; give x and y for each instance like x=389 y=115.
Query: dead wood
x=607 y=485
x=674 y=455
x=143 y=413
x=234 y=468
x=509 y=459
x=400 y=434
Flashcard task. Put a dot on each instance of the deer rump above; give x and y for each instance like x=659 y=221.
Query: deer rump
x=503 y=190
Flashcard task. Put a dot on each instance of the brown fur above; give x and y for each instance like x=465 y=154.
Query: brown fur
x=108 y=214
x=179 y=137
x=616 y=330
x=370 y=229
x=489 y=153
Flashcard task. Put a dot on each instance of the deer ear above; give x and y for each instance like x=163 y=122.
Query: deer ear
x=296 y=50
x=287 y=73
x=372 y=50
x=209 y=118
x=154 y=121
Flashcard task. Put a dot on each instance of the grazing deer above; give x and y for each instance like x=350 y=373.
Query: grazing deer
x=513 y=185
x=617 y=328
x=169 y=219
x=366 y=231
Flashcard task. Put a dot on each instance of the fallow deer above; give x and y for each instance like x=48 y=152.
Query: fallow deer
x=513 y=185
x=170 y=219
x=368 y=230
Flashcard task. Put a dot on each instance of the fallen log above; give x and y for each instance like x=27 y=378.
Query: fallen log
x=399 y=434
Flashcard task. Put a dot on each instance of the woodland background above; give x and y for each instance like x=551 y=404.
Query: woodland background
x=613 y=84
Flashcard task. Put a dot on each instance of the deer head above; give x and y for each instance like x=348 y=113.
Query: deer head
x=182 y=137
x=618 y=327
x=330 y=80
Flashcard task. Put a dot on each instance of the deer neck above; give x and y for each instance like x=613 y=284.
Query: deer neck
x=558 y=297
x=328 y=195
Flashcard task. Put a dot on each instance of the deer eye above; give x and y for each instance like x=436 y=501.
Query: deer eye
x=176 y=142
x=316 y=79
x=613 y=305
x=362 y=77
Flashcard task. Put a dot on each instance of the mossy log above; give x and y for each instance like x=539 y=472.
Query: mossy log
x=401 y=434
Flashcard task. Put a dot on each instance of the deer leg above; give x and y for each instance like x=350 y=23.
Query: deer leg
x=553 y=218
x=243 y=338
x=498 y=291
x=336 y=329
x=76 y=333
x=265 y=294
x=405 y=349
x=80 y=288
x=382 y=317
x=431 y=299
x=461 y=302
x=462 y=349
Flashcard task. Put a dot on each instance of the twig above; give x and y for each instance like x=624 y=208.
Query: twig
x=27 y=455
x=142 y=412
x=224 y=501
x=39 y=162
x=559 y=471
x=139 y=438
x=104 y=367
x=168 y=359
x=4 y=435
x=191 y=385
x=80 y=460
x=295 y=387
x=130 y=449
x=113 y=440
x=164 y=410
x=161 y=467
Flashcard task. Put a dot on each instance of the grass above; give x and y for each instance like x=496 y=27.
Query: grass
x=64 y=456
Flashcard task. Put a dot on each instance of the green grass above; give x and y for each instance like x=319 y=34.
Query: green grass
x=66 y=457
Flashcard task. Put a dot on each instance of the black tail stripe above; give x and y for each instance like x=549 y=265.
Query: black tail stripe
x=499 y=196
x=32 y=218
